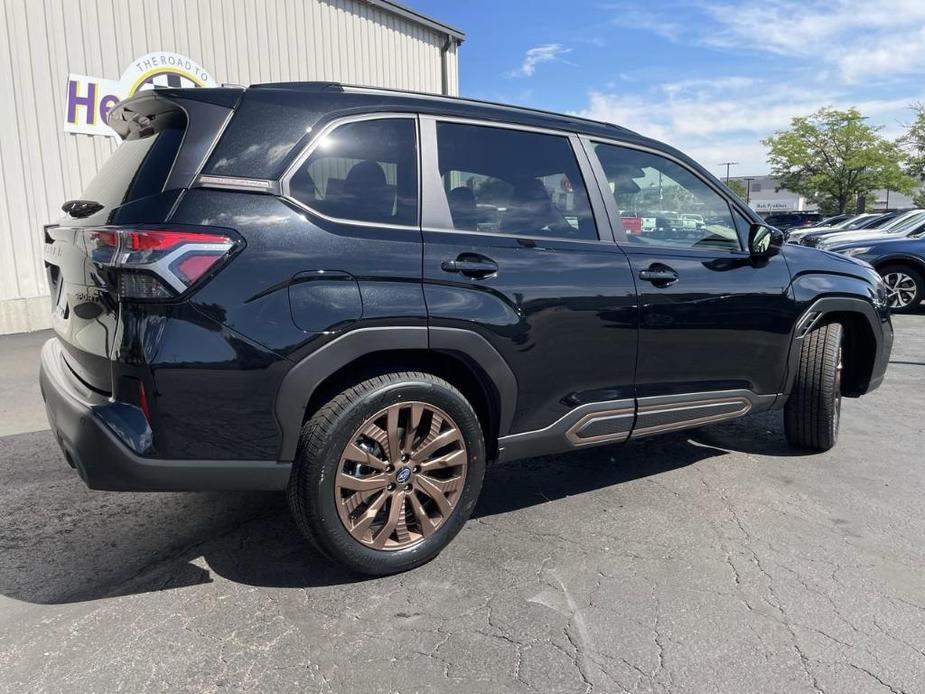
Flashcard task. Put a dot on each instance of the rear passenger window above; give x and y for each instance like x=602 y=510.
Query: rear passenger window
x=664 y=204
x=514 y=182
x=364 y=171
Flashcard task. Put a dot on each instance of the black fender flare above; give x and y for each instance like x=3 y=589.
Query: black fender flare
x=300 y=382
x=815 y=315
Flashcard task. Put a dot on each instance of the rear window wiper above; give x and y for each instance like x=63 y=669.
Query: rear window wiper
x=81 y=208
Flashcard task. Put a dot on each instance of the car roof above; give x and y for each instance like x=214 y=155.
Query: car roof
x=457 y=106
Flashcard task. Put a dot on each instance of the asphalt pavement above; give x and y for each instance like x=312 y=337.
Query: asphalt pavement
x=716 y=560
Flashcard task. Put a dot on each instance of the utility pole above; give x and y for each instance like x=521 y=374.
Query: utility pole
x=728 y=164
x=748 y=189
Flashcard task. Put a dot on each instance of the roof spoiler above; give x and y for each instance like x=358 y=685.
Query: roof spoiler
x=150 y=110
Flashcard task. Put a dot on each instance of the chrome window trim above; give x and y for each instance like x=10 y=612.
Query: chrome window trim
x=466 y=120
x=312 y=145
x=733 y=205
x=431 y=120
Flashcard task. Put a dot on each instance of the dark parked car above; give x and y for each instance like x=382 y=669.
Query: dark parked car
x=833 y=220
x=363 y=297
x=901 y=263
x=792 y=220
x=865 y=222
x=907 y=224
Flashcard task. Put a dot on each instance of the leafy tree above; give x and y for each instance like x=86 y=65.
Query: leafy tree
x=737 y=187
x=913 y=144
x=831 y=157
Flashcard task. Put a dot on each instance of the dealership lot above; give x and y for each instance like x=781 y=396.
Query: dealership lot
x=713 y=560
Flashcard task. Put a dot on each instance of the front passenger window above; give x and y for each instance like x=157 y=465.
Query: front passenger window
x=662 y=203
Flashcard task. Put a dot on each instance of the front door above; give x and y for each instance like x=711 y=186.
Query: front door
x=516 y=249
x=714 y=323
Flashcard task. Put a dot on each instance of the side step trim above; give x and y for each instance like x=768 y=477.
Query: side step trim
x=616 y=421
x=656 y=415
x=589 y=424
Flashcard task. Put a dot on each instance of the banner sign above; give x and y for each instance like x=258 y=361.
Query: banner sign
x=776 y=205
x=90 y=99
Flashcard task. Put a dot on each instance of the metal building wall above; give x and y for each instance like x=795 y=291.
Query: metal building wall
x=238 y=41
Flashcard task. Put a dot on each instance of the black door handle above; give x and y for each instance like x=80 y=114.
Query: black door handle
x=471 y=266
x=659 y=275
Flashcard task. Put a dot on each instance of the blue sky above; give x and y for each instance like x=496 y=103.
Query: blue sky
x=712 y=77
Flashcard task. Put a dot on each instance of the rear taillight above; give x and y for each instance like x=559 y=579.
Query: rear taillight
x=156 y=263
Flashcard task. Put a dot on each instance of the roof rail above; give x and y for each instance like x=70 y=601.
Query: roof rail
x=467 y=100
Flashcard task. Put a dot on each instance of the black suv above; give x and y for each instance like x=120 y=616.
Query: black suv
x=363 y=297
x=792 y=220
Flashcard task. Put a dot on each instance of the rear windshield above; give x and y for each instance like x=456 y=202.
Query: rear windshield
x=139 y=167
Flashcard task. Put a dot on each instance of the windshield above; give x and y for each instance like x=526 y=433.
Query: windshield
x=903 y=222
x=863 y=221
x=844 y=224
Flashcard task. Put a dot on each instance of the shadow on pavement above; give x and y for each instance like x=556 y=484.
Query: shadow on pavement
x=62 y=543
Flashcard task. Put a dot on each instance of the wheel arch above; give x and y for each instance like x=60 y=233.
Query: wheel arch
x=862 y=336
x=913 y=261
x=461 y=357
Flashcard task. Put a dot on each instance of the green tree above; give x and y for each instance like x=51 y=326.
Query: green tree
x=831 y=157
x=737 y=187
x=913 y=145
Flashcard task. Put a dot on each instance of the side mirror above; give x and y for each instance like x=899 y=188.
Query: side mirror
x=764 y=241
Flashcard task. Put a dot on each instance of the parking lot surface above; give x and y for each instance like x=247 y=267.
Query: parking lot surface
x=716 y=560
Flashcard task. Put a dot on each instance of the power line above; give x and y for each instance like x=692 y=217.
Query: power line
x=728 y=164
x=748 y=189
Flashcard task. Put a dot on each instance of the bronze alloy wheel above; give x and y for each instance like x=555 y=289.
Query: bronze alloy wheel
x=400 y=475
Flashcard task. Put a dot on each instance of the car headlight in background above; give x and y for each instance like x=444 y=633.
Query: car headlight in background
x=855 y=251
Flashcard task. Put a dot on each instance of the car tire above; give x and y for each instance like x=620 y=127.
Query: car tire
x=813 y=410
x=906 y=286
x=353 y=441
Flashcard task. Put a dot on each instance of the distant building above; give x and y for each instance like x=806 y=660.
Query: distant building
x=763 y=196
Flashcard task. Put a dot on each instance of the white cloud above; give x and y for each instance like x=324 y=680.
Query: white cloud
x=631 y=16
x=837 y=53
x=858 y=39
x=546 y=53
x=724 y=119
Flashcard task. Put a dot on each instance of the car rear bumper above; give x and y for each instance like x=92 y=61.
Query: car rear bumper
x=105 y=461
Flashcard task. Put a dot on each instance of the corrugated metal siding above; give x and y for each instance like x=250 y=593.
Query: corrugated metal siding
x=238 y=41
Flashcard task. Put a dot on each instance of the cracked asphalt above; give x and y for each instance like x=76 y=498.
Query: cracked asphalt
x=716 y=560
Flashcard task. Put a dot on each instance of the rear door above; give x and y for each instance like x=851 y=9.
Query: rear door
x=714 y=323
x=516 y=249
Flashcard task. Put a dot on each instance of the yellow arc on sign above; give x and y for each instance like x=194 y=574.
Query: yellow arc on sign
x=157 y=71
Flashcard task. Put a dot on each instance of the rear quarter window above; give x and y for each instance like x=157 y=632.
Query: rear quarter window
x=139 y=167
